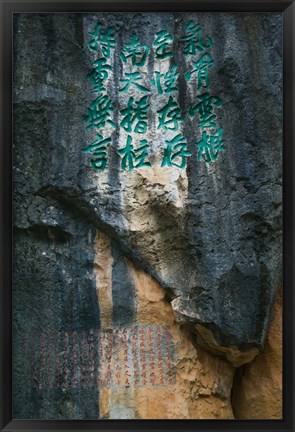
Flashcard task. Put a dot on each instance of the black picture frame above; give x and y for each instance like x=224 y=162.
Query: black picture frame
x=8 y=8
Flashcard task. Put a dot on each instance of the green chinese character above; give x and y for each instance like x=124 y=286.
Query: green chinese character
x=131 y=79
x=201 y=69
x=205 y=109
x=193 y=40
x=134 y=158
x=163 y=44
x=99 y=112
x=106 y=40
x=99 y=150
x=169 y=115
x=137 y=113
x=210 y=146
x=169 y=78
x=137 y=52
x=176 y=150
x=99 y=74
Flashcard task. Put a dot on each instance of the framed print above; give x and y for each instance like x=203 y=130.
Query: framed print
x=147 y=216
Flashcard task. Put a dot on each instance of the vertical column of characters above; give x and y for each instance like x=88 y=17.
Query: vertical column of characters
x=162 y=348
x=109 y=352
x=58 y=361
x=51 y=359
x=169 y=114
x=143 y=355
x=134 y=353
x=104 y=357
x=169 y=356
x=117 y=365
x=91 y=366
x=66 y=363
x=99 y=114
x=42 y=361
x=84 y=359
x=127 y=374
x=159 y=343
x=75 y=360
x=134 y=116
x=33 y=360
x=100 y=357
x=70 y=352
x=96 y=358
x=39 y=363
x=197 y=47
x=151 y=354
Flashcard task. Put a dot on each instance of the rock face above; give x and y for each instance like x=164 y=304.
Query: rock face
x=199 y=385
x=136 y=364
x=185 y=261
x=257 y=391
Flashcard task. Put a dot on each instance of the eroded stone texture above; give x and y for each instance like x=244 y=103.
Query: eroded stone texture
x=257 y=392
x=200 y=383
x=206 y=238
x=50 y=303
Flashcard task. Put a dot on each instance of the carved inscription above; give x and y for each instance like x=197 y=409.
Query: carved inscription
x=132 y=356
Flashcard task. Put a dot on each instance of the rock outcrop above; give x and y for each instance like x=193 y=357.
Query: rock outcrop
x=257 y=392
x=183 y=260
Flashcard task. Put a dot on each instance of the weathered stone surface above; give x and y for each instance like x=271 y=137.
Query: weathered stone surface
x=207 y=239
x=257 y=392
x=203 y=382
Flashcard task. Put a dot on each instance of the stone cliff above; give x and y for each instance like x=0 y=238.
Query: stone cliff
x=146 y=292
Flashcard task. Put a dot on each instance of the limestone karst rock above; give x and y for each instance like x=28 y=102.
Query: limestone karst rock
x=192 y=253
